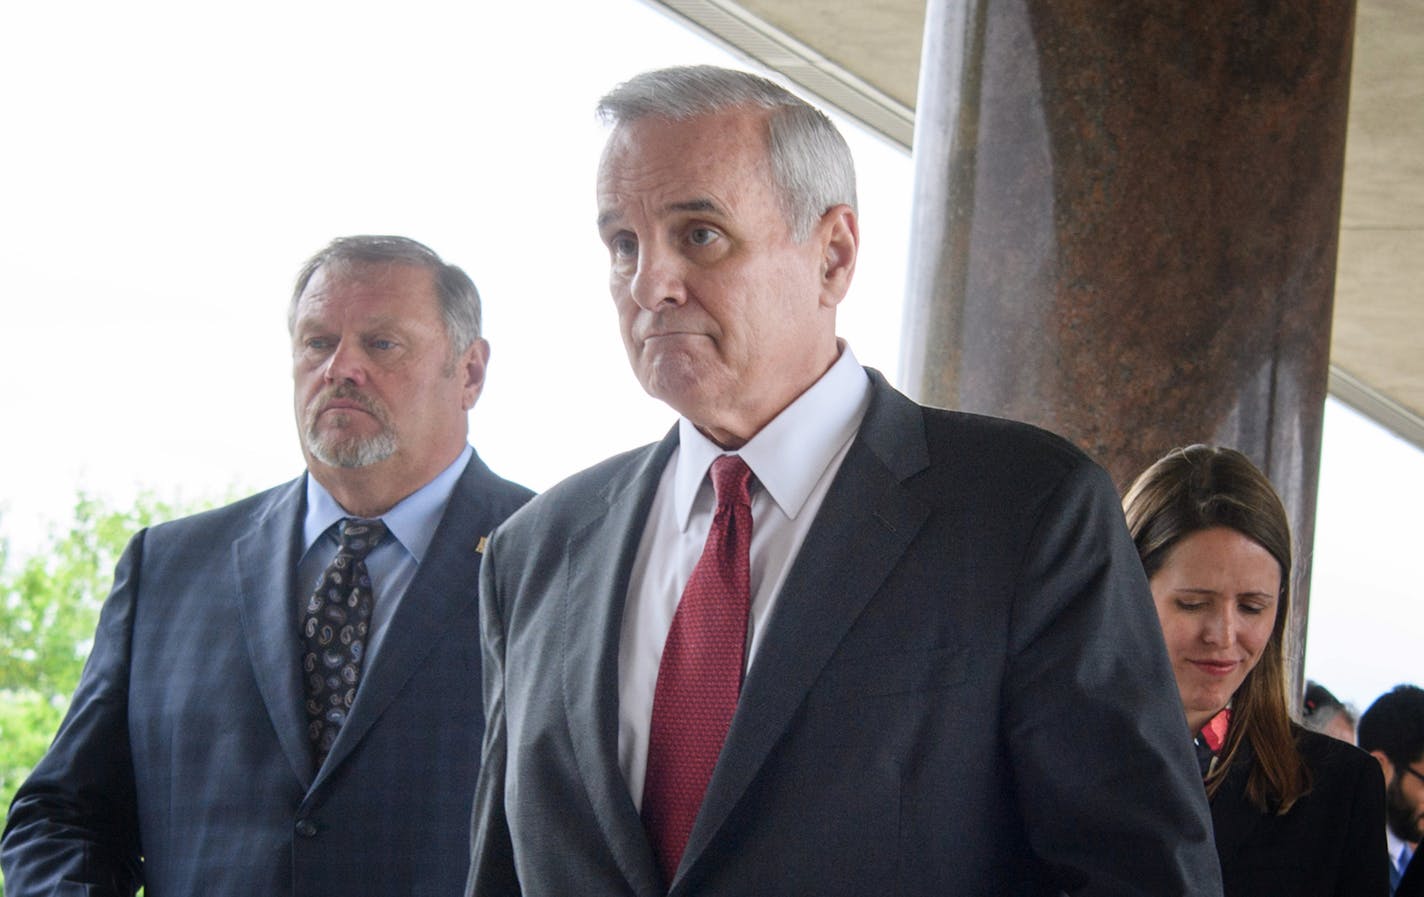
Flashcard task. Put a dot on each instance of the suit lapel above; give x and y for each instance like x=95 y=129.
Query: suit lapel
x=264 y=567
x=601 y=554
x=444 y=588
x=864 y=526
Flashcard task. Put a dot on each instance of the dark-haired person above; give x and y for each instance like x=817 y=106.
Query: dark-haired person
x=1392 y=730
x=1296 y=813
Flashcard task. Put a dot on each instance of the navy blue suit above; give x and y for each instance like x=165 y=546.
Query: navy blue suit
x=183 y=763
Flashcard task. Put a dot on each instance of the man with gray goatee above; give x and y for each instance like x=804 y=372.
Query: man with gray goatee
x=283 y=695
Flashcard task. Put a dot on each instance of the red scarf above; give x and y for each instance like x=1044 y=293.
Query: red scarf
x=1214 y=732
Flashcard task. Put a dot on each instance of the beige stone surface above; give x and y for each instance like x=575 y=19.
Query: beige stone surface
x=1378 y=334
x=879 y=41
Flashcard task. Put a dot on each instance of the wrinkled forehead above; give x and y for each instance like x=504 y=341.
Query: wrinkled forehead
x=385 y=289
x=717 y=155
x=738 y=133
x=338 y=277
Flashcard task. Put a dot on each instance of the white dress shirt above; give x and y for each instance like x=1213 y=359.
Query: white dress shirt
x=793 y=458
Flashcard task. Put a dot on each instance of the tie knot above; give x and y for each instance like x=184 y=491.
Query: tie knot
x=359 y=536
x=731 y=478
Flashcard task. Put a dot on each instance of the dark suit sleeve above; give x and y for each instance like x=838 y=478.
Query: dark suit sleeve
x=1098 y=742
x=492 y=872
x=73 y=825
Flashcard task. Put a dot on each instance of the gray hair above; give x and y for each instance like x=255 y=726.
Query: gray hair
x=811 y=165
x=459 y=299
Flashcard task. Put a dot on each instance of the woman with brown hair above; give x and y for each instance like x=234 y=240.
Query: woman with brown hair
x=1295 y=813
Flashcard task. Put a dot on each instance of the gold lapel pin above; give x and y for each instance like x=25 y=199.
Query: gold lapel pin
x=480 y=545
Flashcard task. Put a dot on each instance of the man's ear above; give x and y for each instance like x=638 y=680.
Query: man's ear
x=472 y=368
x=840 y=241
x=1384 y=762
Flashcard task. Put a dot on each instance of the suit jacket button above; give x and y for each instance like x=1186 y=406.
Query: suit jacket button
x=306 y=828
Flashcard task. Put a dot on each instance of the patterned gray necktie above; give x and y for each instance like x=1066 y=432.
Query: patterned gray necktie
x=336 y=625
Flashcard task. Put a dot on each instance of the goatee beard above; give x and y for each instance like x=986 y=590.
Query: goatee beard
x=351 y=451
x=336 y=448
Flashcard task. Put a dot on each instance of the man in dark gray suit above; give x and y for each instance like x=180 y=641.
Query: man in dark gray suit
x=1392 y=730
x=283 y=694
x=888 y=650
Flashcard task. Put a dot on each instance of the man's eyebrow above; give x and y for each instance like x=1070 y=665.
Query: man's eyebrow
x=693 y=205
x=689 y=205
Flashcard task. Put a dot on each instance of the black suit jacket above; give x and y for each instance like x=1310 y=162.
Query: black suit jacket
x=185 y=744
x=962 y=689
x=1330 y=844
x=1412 y=884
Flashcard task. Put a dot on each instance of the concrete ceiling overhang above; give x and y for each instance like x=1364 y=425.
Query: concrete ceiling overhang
x=863 y=59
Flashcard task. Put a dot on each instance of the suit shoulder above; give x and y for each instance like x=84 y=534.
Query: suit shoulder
x=578 y=493
x=963 y=443
x=1332 y=757
x=502 y=497
x=980 y=464
x=205 y=523
x=963 y=430
x=1004 y=459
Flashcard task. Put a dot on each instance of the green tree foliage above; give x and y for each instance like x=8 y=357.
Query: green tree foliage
x=49 y=605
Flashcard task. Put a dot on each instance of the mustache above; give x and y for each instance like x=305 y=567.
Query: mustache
x=665 y=323
x=349 y=393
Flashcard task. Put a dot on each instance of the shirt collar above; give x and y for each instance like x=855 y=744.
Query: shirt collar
x=1395 y=843
x=790 y=453
x=412 y=521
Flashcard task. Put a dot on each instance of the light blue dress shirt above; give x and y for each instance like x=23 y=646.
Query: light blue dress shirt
x=394 y=562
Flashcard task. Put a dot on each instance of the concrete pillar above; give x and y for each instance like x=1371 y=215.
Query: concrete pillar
x=1125 y=225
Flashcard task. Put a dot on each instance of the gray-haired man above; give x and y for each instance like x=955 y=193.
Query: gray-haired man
x=886 y=650
x=283 y=694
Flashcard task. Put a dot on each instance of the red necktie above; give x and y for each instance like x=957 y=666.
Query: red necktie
x=700 y=675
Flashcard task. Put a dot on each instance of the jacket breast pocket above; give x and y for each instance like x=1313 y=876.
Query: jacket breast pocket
x=888 y=673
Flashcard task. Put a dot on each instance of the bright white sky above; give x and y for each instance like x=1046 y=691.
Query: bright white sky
x=167 y=166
